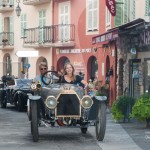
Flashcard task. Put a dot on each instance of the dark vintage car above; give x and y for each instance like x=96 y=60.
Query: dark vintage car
x=14 y=91
x=65 y=105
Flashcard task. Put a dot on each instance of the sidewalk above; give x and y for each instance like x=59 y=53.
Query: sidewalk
x=125 y=136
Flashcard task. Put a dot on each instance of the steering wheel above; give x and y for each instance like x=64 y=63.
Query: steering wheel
x=48 y=77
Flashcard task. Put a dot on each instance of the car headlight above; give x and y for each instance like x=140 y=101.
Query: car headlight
x=51 y=102
x=33 y=86
x=38 y=85
x=86 y=102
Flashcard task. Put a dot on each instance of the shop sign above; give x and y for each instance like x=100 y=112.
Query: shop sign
x=105 y=37
x=133 y=53
x=75 y=51
x=135 y=74
x=111 y=5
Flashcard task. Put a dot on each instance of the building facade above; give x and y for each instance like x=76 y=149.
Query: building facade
x=36 y=19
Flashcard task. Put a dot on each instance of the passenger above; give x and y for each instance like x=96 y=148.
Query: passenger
x=70 y=77
x=42 y=68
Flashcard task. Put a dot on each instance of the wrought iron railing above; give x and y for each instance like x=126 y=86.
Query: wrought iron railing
x=49 y=34
x=64 y=33
x=39 y=35
x=6 y=39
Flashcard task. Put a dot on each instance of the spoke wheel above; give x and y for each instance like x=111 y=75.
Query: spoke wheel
x=34 y=121
x=4 y=102
x=84 y=130
x=101 y=121
x=20 y=103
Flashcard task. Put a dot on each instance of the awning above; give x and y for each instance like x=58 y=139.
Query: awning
x=113 y=33
x=105 y=37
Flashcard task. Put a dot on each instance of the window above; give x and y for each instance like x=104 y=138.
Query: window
x=92 y=15
x=23 y=24
x=42 y=23
x=64 y=22
x=108 y=19
x=147 y=7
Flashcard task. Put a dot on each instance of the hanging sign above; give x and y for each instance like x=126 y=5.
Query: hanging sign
x=111 y=5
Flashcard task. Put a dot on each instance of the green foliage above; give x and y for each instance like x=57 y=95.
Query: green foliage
x=121 y=107
x=141 y=108
x=116 y=113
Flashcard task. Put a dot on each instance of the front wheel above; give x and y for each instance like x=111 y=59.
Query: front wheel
x=84 y=130
x=34 y=121
x=4 y=102
x=101 y=121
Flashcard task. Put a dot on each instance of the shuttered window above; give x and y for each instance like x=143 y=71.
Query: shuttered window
x=42 y=23
x=23 y=24
x=147 y=7
x=64 y=22
x=11 y=2
x=2 y=24
x=11 y=30
x=92 y=15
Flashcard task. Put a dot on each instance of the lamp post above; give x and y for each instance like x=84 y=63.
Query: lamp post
x=18 y=9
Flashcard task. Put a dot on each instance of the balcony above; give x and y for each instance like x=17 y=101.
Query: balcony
x=35 y=2
x=50 y=36
x=6 y=40
x=38 y=37
x=6 y=5
x=64 y=35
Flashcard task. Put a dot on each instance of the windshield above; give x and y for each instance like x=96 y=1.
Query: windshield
x=23 y=82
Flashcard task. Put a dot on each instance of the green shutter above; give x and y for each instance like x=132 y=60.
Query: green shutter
x=11 y=2
x=23 y=24
x=42 y=23
x=118 y=17
x=2 y=27
x=11 y=30
x=147 y=7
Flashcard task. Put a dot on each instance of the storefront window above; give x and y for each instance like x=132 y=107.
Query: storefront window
x=147 y=76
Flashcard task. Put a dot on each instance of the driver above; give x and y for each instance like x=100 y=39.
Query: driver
x=43 y=68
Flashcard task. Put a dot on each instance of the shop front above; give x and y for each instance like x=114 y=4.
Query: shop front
x=84 y=60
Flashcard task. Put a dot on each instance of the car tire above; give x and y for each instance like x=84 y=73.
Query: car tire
x=84 y=130
x=20 y=105
x=34 y=121
x=101 y=121
x=4 y=102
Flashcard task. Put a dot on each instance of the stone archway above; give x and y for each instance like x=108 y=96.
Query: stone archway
x=7 y=64
x=61 y=62
x=40 y=59
x=92 y=67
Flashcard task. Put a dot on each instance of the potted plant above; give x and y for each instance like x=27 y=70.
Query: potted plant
x=141 y=109
x=122 y=107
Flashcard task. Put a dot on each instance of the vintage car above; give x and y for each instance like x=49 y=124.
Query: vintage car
x=65 y=105
x=14 y=91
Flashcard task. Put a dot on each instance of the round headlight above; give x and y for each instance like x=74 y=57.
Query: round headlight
x=33 y=86
x=38 y=86
x=51 y=102
x=86 y=102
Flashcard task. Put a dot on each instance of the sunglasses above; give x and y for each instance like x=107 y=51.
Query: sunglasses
x=43 y=68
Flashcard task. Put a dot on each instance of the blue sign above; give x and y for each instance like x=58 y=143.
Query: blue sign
x=26 y=65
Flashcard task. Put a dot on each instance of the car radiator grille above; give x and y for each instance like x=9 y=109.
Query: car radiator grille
x=68 y=106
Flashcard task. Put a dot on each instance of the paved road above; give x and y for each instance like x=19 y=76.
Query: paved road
x=15 y=134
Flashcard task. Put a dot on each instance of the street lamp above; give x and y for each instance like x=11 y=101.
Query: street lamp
x=18 y=9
